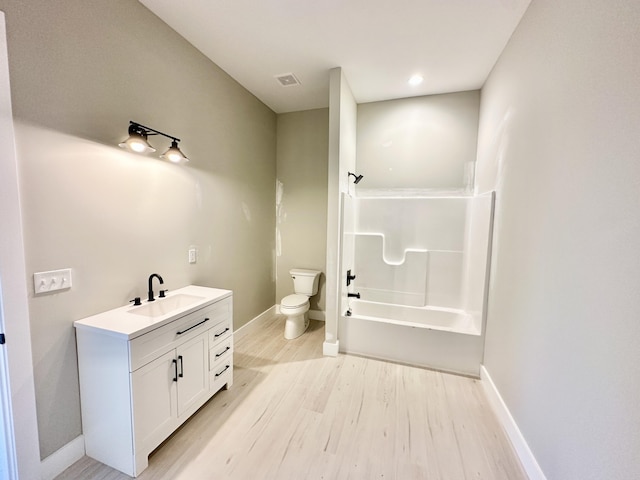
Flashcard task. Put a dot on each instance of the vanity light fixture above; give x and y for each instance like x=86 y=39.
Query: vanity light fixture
x=137 y=142
x=174 y=154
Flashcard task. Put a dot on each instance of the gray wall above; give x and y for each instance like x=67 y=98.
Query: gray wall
x=559 y=140
x=79 y=72
x=419 y=142
x=302 y=155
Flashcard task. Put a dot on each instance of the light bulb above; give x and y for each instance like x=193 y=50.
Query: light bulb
x=174 y=157
x=416 y=80
x=137 y=147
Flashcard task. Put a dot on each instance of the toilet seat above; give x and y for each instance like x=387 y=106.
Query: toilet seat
x=294 y=305
x=294 y=301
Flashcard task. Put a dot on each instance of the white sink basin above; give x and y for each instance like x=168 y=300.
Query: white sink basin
x=164 y=306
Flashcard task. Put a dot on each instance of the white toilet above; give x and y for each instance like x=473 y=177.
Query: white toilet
x=296 y=306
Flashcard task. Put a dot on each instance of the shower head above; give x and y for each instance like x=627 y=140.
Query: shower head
x=356 y=177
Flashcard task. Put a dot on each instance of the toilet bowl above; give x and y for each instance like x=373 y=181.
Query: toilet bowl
x=296 y=306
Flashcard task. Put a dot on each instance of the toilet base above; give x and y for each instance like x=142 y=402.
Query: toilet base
x=295 y=325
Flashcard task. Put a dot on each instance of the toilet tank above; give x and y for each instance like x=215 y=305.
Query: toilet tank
x=305 y=282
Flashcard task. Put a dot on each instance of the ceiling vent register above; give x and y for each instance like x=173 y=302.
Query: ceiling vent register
x=287 y=80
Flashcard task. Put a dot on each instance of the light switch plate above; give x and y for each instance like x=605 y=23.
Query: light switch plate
x=193 y=255
x=45 y=282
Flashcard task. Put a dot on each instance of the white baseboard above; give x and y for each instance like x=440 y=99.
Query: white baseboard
x=61 y=459
x=529 y=462
x=254 y=324
x=331 y=349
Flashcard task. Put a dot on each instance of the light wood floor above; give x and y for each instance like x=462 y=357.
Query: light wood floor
x=294 y=414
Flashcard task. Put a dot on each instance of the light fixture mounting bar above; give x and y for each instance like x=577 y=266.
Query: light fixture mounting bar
x=151 y=131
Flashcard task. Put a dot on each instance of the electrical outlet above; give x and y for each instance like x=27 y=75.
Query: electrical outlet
x=45 y=282
x=193 y=255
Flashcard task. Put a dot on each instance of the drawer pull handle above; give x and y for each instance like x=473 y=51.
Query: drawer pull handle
x=223 y=352
x=181 y=374
x=224 y=370
x=175 y=369
x=222 y=332
x=192 y=326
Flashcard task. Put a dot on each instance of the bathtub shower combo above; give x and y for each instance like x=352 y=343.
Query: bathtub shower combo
x=414 y=276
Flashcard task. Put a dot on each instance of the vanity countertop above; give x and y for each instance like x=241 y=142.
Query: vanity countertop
x=130 y=322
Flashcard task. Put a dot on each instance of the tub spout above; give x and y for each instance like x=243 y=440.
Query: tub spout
x=355 y=295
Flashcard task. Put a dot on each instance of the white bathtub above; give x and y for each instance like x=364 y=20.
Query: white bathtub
x=434 y=318
x=440 y=338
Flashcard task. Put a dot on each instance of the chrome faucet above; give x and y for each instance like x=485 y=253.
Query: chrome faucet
x=151 y=299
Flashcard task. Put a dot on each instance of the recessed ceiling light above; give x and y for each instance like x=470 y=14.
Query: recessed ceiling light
x=416 y=80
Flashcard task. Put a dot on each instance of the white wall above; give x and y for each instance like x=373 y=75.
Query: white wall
x=16 y=367
x=301 y=209
x=420 y=142
x=560 y=142
x=342 y=159
x=79 y=72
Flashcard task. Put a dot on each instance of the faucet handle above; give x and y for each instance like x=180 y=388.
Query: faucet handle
x=136 y=301
x=162 y=293
x=350 y=277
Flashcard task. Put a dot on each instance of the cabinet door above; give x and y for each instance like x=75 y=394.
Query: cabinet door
x=193 y=374
x=154 y=402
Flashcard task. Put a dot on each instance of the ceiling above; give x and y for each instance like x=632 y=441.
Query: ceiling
x=379 y=44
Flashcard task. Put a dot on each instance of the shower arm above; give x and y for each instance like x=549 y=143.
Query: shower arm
x=357 y=178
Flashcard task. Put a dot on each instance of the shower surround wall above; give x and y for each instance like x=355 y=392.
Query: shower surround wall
x=412 y=234
x=416 y=250
x=420 y=263
x=408 y=251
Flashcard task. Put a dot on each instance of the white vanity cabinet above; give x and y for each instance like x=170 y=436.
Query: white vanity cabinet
x=142 y=376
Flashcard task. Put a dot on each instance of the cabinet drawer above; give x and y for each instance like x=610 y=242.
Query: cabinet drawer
x=218 y=352
x=149 y=346
x=221 y=331
x=222 y=374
